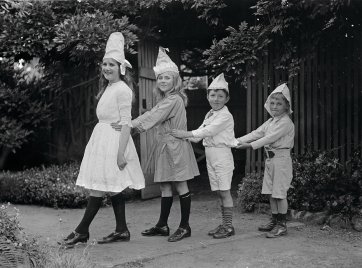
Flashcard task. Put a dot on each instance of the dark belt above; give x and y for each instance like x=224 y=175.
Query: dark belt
x=269 y=154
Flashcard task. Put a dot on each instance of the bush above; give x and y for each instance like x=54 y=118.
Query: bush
x=249 y=192
x=53 y=186
x=320 y=183
x=17 y=250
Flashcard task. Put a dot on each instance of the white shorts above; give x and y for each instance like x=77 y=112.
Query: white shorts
x=220 y=166
x=278 y=174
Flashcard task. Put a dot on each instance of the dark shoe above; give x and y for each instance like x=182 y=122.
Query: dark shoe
x=116 y=237
x=279 y=230
x=70 y=236
x=269 y=226
x=77 y=239
x=180 y=234
x=214 y=231
x=224 y=231
x=162 y=231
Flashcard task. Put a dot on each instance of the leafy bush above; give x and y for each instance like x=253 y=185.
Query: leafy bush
x=249 y=192
x=53 y=186
x=17 y=250
x=320 y=183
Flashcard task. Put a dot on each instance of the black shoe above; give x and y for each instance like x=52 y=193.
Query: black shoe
x=116 y=237
x=70 y=236
x=162 y=231
x=224 y=231
x=279 y=230
x=77 y=239
x=269 y=226
x=180 y=234
x=214 y=231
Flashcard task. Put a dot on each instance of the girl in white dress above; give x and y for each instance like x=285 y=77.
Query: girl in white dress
x=110 y=162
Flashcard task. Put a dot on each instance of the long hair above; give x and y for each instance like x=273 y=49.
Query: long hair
x=127 y=78
x=177 y=89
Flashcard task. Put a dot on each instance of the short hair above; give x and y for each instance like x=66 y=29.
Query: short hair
x=217 y=89
x=283 y=97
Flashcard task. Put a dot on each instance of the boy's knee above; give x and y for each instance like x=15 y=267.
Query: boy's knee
x=96 y=193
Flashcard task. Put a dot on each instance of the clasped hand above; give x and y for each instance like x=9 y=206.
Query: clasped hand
x=181 y=134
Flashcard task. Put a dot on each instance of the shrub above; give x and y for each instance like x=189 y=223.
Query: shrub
x=320 y=183
x=53 y=186
x=249 y=192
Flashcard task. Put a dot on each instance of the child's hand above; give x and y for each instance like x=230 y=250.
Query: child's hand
x=242 y=145
x=116 y=126
x=121 y=162
x=181 y=134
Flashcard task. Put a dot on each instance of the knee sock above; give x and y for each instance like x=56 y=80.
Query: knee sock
x=222 y=214
x=227 y=219
x=94 y=203
x=166 y=204
x=185 y=203
x=119 y=208
x=273 y=205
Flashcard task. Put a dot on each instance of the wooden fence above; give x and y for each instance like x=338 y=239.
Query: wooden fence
x=326 y=100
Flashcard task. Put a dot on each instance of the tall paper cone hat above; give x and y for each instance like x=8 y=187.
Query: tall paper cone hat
x=115 y=50
x=164 y=63
x=283 y=88
x=219 y=83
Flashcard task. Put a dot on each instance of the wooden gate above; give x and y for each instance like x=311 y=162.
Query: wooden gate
x=147 y=55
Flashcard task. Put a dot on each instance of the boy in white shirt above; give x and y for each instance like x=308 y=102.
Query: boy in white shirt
x=217 y=133
x=277 y=137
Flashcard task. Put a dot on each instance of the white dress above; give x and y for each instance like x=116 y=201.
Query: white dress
x=99 y=169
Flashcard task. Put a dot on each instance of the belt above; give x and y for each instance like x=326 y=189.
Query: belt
x=276 y=152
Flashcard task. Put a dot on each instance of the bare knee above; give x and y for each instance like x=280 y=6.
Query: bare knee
x=96 y=193
x=181 y=187
x=166 y=189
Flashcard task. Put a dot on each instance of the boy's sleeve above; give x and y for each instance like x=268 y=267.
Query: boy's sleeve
x=217 y=125
x=254 y=135
x=281 y=130
x=161 y=112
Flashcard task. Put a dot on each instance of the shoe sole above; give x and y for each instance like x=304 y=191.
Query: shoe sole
x=155 y=234
x=118 y=240
x=224 y=236
x=276 y=236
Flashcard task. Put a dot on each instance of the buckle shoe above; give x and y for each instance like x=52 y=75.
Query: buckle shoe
x=224 y=231
x=116 y=237
x=214 y=231
x=75 y=240
x=162 y=231
x=180 y=234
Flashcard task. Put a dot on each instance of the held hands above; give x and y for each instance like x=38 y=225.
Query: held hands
x=116 y=126
x=243 y=145
x=121 y=162
x=181 y=134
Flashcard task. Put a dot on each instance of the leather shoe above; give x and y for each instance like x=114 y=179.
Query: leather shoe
x=76 y=239
x=279 y=230
x=162 y=231
x=224 y=231
x=214 y=231
x=115 y=237
x=180 y=234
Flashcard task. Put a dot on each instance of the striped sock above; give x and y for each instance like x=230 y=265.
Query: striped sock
x=228 y=217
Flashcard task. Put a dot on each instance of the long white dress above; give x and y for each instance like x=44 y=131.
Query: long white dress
x=99 y=169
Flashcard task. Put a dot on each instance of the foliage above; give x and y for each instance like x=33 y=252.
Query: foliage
x=249 y=192
x=17 y=249
x=296 y=28
x=25 y=103
x=83 y=35
x=53 y=186
x=320 y=183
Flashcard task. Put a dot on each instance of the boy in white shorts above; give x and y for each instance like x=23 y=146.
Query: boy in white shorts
x=277 y=137
x=217 y=133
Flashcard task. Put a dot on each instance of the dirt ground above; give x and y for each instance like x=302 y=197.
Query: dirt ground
x=305 y=245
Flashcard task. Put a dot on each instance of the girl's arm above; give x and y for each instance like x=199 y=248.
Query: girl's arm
x=123 y=141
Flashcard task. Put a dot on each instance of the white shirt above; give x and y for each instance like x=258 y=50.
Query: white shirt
x=275 y=133
x=217 y=130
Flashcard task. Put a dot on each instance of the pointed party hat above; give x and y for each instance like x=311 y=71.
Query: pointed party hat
x=164 y=63
x=115 y=50
x=283 y=88
x=219 y=83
